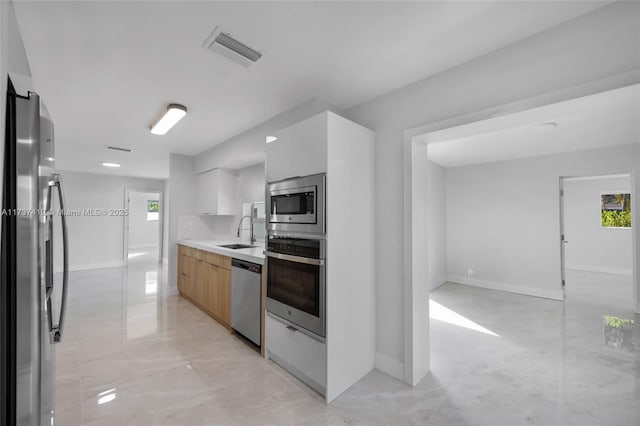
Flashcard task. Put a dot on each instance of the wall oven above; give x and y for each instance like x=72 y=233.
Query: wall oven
x=297 y=205
x=296 y=281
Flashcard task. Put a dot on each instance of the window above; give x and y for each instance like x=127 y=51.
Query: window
x=615 y=210
x=153 y=210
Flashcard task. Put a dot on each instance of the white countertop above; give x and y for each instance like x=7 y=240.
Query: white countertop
x=255 y=254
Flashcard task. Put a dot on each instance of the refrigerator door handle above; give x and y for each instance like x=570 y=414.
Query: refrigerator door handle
x=56 y=330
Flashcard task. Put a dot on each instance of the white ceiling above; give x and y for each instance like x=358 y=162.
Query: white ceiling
x=597 y=121
x=106 y=69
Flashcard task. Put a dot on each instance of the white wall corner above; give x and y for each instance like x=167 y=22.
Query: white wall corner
x=390 y=366
x=437 y=282
x=511 y=288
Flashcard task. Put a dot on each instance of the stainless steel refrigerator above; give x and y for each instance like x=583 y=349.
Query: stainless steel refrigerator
x=32 y=303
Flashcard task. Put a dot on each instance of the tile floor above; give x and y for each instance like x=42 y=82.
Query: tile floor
x=135 y=355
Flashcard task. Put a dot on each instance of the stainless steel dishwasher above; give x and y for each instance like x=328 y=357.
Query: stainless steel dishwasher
x=245 y=299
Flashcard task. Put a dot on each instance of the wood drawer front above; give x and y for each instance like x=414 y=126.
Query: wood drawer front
x=217 y=259
x=186 y=251
x=302 y=352
x=195 y=253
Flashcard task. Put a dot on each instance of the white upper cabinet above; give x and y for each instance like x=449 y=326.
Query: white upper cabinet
x=300 y=150
x=215 y=192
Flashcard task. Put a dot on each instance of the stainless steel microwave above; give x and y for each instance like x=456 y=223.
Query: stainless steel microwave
x=297 y=205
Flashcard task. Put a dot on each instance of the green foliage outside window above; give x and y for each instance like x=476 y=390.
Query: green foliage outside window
x=616 y=210
x=153 y=206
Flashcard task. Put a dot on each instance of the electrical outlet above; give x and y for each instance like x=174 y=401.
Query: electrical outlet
x=188 y=226
x=470 y=272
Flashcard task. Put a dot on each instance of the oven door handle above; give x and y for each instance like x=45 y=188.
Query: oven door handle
x=296 y=259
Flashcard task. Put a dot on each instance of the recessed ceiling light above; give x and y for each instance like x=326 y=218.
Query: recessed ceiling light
x=271 y=139
x=111 y=164
x=170 y=117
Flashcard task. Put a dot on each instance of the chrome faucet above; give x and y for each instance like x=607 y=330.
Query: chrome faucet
x=253 y=235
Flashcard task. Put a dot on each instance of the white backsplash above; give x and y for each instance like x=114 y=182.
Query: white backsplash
x=198 y=227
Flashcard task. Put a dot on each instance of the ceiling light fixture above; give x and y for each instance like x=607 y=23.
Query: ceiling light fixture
x=271 y=139
x=171 y=116
x=117 y=148
x=111 y=164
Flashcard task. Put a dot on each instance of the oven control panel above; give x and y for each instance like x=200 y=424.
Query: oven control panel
x=302 y=247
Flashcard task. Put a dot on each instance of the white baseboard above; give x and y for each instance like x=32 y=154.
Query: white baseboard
x=142 y=246
x=390 y=366
x=437 y=282
x=601 y=269
x=529 y=291
x=95 y=266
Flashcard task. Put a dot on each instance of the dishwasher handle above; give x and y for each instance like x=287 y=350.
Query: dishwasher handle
x=247 y=266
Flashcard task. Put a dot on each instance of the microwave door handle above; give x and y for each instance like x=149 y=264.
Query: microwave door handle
x=296 y=259
x=55 y=331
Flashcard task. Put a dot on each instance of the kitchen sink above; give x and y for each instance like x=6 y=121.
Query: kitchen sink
x=236 y=246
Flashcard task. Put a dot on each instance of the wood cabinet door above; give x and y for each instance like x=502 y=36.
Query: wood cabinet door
x=223 y=295
x=208 y=295
x=198 y=278
x=181 y=283
x=191 y=274
x=180 y=264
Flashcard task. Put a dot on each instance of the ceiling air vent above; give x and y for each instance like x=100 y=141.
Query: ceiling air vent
x=117 y=148
x=231 y=48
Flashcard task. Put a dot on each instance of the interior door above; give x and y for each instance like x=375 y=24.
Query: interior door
x=563 y=241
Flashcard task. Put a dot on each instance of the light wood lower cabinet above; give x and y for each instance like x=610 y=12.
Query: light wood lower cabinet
x=205 y=280
x=223 y=295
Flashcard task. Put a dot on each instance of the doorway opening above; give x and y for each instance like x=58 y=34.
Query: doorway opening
x=496 y=173
x=143 y=225
x=596 y=235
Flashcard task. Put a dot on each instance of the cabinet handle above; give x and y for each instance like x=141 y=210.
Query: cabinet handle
x=292 y=328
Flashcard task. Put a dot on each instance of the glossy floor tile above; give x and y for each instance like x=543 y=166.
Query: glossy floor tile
x=133 y=354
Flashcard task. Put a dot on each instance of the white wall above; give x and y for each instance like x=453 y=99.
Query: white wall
x=250 y=184
x=165 y=223
x=182 y=184
x=142 y=232
x=437 y=223
x=97 y=241
x=591 y=247
x=569 y=55
x=504 y=218
x=250 y=188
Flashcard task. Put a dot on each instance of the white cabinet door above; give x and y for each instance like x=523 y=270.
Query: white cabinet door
x=279 y=162
x=306 y=355
x=215 y=192
x=206 y=193
x=300 y=150
x=227 y=203
x=310 y=146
